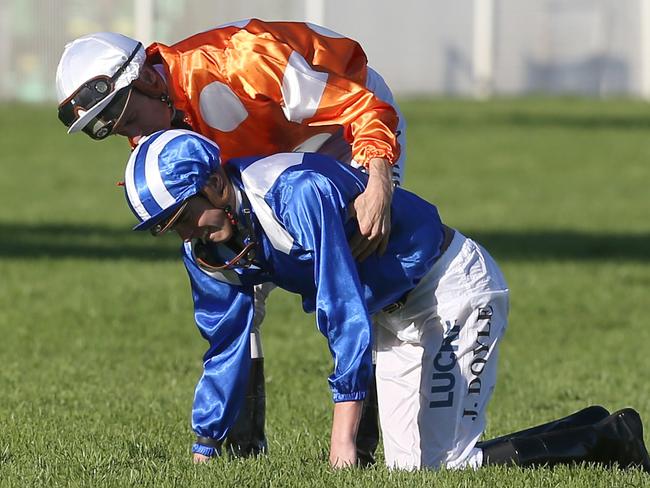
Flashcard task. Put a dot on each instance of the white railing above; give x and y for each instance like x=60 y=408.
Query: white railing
x=461 y=47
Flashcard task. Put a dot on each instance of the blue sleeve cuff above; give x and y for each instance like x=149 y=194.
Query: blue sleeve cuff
x=349 y=397
x=204 y=450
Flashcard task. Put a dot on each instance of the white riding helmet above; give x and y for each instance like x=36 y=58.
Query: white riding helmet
x=92 y=71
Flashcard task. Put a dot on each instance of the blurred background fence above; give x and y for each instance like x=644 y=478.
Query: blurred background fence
x=472 y=48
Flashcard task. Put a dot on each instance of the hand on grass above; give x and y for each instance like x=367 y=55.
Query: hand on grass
x=345 y=422
x=200 y=458
x=343 y=454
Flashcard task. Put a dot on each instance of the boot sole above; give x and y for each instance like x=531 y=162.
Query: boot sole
x=631 y=420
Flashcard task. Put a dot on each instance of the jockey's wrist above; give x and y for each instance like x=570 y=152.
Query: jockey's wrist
x=206 y=447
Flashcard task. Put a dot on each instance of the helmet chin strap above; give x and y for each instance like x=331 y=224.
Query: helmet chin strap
x=177 y=117
x=243 y=242
x=164 y=98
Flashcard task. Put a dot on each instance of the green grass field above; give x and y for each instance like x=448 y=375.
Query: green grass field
x=99 y=353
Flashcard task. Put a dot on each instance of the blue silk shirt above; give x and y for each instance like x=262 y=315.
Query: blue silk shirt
x=299 y=206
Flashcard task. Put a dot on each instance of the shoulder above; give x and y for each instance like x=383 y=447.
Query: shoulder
x=261 y=174
x=286 y=170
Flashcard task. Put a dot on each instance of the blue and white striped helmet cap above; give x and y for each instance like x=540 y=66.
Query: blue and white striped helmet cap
x=164 y=170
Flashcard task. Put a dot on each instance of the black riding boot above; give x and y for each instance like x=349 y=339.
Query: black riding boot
x=586 y=416
x=368 y=433
x=615 y=440
x=246 y=437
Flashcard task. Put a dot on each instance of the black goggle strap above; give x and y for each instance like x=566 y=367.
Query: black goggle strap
x=121 y=69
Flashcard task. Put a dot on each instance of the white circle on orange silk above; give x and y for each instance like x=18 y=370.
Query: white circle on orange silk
x=220 y=108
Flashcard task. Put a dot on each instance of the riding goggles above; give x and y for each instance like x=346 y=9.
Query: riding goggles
x=93 y=92
x=168 y=224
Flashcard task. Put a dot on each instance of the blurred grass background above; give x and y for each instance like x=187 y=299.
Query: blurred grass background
x=99 y=353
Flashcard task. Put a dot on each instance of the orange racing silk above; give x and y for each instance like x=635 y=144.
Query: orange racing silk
x=258 y=88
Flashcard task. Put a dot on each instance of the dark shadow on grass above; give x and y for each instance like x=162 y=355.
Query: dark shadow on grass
x=83 y=241
x=559 y=245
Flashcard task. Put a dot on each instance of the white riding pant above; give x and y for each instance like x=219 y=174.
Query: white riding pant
x=437 y=361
